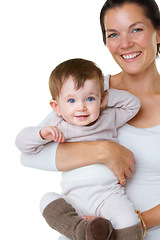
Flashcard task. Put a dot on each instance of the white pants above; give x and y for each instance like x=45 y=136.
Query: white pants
x=63 y=238
x=99 y=198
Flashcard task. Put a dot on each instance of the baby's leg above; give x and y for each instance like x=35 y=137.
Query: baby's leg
x=61 y=216
x=120 y=211
x=63 y=238
x=48 y=198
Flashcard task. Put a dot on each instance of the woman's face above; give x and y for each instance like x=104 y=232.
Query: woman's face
x=131 y=38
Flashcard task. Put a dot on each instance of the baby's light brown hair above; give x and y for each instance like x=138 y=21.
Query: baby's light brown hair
x=80 y=70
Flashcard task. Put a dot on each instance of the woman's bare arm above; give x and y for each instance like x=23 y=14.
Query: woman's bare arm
x=74 y=155
x=151 y=217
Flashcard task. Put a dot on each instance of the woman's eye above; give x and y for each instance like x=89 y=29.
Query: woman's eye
x=138 y=30
x=71 y=100
x=90 y=99
x=113 y=35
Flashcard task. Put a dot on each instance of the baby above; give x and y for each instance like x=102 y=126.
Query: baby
x=85 y=112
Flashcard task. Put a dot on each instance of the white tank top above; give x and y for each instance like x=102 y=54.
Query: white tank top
x=143 y=188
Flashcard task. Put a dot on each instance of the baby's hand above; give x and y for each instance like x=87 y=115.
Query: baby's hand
x=52 y=133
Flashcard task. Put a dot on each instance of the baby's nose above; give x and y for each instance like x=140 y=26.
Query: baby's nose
x=82 y=107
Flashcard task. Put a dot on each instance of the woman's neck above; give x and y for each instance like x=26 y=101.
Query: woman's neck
x=146 y=82
x=146 y=86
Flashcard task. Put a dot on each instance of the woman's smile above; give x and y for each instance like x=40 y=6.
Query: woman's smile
x=131 y=56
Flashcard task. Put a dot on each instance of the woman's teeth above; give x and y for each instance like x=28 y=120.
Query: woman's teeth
x=131 y=56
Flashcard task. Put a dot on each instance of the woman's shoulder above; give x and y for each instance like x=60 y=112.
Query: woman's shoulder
x=113 y=81
x=106 y=81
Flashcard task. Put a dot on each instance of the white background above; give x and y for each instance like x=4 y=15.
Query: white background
x=36 y=35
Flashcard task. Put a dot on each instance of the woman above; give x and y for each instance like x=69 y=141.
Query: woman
x=131 y=31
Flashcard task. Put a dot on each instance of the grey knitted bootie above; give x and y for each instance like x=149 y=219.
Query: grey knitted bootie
x=62 y=217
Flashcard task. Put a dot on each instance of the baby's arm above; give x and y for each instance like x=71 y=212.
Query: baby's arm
x=125 y=104
x=29 y=139
x=64 y=157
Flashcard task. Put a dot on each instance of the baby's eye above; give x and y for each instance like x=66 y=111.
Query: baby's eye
x=71 y=100
x=90 y=99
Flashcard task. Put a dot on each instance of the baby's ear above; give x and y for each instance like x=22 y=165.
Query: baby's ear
x=104 y=100
x=54 y=105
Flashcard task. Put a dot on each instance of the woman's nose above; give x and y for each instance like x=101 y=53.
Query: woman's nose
x=126 y=41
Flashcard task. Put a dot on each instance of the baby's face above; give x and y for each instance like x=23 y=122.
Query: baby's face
x=80 y=107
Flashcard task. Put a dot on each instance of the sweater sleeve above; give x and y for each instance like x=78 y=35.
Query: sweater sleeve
x=29 y=139
x=36 y=152
x=125 y=105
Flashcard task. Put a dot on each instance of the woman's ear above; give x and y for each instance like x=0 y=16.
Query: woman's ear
x=54 y=105
x=158 y=35
x=104 y=100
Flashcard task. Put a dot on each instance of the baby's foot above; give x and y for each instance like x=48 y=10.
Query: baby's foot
x=100 y=229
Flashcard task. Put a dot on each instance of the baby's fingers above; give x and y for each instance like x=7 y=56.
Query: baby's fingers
x=58 y=135
x=55 y=134
x=61 y=137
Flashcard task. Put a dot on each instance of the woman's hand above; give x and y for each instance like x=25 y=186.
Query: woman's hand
x=119 y=159
x=79 y=154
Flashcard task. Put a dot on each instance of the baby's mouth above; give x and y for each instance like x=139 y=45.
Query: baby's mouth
x=82 y=116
